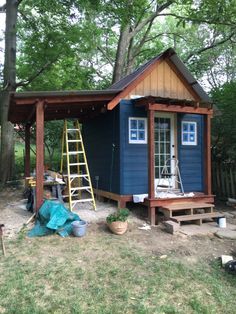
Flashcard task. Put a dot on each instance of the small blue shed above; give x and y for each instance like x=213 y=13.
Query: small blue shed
x=161 y=113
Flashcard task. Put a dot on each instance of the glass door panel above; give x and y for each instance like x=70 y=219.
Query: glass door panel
x=164 y=143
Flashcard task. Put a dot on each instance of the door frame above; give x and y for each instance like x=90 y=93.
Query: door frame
x=173 y=140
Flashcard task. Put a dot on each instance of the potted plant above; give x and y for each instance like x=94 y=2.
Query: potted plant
x=117 y=222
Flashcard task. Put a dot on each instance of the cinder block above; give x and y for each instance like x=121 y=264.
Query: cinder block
x=171 y=226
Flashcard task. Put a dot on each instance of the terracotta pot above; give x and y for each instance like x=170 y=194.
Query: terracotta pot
x=118 y=227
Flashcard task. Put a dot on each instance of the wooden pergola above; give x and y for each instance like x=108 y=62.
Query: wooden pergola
x=30 y=107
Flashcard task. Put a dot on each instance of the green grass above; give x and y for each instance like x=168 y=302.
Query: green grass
x=102 y=273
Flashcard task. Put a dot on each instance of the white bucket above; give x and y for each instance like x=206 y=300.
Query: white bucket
x=222 y=222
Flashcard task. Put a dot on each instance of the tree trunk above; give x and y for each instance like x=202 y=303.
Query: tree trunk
x=9 y=83
x=121 y=54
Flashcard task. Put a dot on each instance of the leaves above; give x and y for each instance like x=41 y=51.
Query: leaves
x=224 y=127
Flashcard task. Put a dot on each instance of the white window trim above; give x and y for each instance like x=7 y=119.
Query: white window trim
x=145 y=131
x=182 y=132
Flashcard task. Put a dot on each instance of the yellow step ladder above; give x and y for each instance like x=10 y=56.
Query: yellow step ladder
x=78 y=177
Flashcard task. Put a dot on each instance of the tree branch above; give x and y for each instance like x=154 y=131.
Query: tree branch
x=192 y=19
x=19 y=2
x=213 y=45
x=143 y=40
x=34 y=76
x=111 y=62
x=150 y=18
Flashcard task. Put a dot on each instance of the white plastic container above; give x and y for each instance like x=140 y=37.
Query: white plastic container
x=222 y=222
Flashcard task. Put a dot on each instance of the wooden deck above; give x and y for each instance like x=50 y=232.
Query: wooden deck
x=197 y=200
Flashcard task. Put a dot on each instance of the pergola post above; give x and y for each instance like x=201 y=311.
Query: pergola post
x=27 y=150
x=151 y=165
x=39 y=152
x=207 y=159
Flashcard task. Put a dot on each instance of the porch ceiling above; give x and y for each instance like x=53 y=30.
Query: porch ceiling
x=59 y=105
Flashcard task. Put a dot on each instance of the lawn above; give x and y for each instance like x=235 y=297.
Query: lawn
x=104 y=273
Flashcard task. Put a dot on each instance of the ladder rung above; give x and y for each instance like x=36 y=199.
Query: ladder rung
x=80 y=188
x=73 y=153
x=76 y=175
x=74 y=141
x=82 y=200
x=78 y=164
x=71 y=130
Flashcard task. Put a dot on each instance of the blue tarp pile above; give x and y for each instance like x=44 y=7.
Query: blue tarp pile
x=53 y=217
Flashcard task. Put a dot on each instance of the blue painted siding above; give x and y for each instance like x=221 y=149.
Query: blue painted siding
x=133 y=157
x=101 y=141
x=122 y=167
x=191 y=159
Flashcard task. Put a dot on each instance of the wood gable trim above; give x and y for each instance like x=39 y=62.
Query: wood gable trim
x=115 y=101
x=182 y=79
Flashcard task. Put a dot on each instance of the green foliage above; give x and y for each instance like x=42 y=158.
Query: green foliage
x=73 y=44
x=224 y=126
x=121 y=215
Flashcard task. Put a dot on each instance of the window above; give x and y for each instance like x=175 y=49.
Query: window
x=137 y=130
x=189 y=133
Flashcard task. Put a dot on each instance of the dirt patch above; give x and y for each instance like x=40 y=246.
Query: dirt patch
x=155 y=241
x=13 y=213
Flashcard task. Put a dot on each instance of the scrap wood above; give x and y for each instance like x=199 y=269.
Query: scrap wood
x=2 y=242
x=27 y=222
x=231 y=202
x=54 y=175
x=30 y=219
x=145 y=227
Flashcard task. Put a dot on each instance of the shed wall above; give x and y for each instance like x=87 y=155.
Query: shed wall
x=101 y=141
x=191 y=158
x=133 y=157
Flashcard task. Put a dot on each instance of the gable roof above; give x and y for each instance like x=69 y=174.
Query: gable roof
x=142 y=71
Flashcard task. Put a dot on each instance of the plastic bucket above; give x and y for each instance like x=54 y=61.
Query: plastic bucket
x=222 y=222
x=79 y=228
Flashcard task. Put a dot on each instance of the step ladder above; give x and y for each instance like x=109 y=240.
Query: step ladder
x=170 y=177
x=78 y=177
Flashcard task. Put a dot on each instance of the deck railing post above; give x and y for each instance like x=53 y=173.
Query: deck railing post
x=151 y=162
x=207 y=159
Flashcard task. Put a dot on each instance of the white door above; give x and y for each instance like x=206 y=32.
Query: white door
x=164 y=148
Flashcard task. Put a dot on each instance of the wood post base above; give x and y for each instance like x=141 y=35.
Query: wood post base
x=152 y=215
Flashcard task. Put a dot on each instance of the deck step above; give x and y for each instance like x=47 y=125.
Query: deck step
x=183 y=206
x=196 y=217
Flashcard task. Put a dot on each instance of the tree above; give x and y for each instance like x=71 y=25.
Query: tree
x=9 y=85
x=223 y=126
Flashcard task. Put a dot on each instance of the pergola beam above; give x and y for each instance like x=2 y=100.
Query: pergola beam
x=180 y=109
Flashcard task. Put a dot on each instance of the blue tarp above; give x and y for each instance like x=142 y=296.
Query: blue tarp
x=53 y=217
